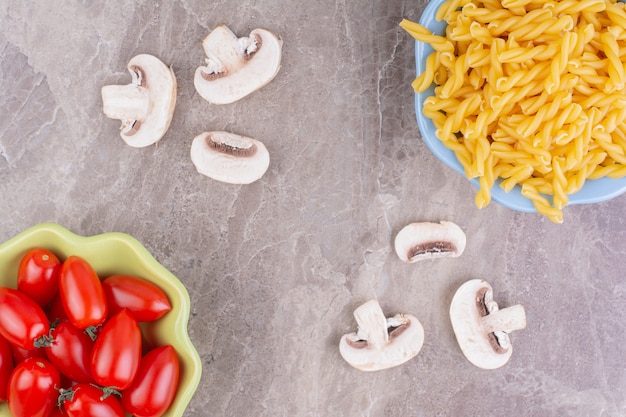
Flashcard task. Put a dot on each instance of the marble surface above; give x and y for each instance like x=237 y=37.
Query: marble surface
x=275 y=269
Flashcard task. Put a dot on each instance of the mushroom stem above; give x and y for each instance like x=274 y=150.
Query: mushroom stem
x=230 y=50
x=505 y=320
x=125 y=102
x=372 y=324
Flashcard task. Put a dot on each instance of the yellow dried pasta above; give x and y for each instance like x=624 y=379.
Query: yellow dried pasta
x=529 y=91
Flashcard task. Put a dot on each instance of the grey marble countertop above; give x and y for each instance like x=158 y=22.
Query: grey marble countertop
x=275 y=269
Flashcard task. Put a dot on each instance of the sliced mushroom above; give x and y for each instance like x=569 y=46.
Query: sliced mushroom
x=235 y=67
x=229 y=157
x=425 y=240
x=481 y=328
x=380 y=342
x=146 y=105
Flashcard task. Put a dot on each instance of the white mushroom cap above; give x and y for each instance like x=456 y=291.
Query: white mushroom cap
x=425 y=240
x=229 y=157
x=381 y=343
x=235 y=67
x=145 y=106
x=481 y=328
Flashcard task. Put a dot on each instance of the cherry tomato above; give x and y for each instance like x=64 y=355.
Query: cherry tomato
x=81 y=293
x=22 y=320
x=33 y=388
x=38 y=275
x=155 y=385
x=86 y=400
x=20 y=355
x=57 y=412
x=144 y=300
x=6 y=367
x=55 y=310
x=70 y=351
x=117 y=352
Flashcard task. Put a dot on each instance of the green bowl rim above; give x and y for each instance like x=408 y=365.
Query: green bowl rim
x=146 y=259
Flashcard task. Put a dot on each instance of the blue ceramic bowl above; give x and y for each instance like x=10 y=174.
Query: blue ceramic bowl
x=592 y=192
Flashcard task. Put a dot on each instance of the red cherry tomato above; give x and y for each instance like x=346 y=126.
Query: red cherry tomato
x=144 y=300
x=55 y=310
x=70 y=351
x=155 y=385
x=22 y=320
x=81 y=293
x=6 y=367
x=57 y=412
x=38 y=275
x=117 y=352
x=20 y=355
x=33 y=388
x=86 y=400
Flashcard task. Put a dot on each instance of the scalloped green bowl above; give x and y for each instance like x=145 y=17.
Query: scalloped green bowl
x=118 y=253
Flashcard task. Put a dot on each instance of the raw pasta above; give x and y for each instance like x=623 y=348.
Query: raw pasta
x=529 y=91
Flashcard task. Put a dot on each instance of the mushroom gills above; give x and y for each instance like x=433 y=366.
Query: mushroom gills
x=481 y=327
x=145 y=107
x=380 y=342
x=236 y=67
x=434 y=249
x=228 y=157
x=426 y=240
x=245 y=149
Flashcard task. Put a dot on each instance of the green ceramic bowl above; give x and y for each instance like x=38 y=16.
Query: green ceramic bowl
x=118 y=253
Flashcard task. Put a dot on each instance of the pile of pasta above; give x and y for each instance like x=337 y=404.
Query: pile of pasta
x=532 y=92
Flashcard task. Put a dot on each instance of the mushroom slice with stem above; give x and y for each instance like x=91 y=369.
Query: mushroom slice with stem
x=146 y=105
x=380 y=342
x=235 y=67
x=229 y=157
x=425 y=240
x=481 y=328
